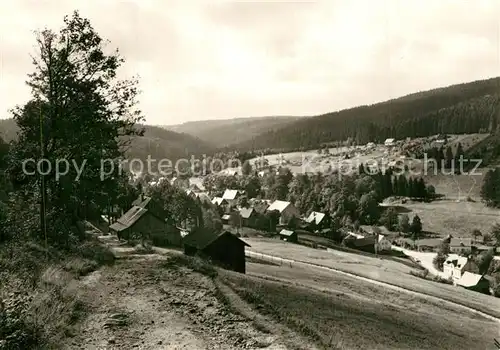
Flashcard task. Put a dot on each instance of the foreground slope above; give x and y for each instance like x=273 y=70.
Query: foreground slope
x=226 y=132
x=165 y=300
x=463 y=108
x=339 y=312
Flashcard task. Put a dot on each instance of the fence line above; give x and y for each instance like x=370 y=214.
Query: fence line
x=269 y=258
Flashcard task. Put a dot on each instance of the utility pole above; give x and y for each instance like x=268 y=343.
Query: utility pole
x=43 y=223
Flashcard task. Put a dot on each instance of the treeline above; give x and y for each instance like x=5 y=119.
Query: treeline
x=490 y=189
x=466 y=108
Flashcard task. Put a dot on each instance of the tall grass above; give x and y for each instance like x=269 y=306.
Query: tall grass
x=40 y=296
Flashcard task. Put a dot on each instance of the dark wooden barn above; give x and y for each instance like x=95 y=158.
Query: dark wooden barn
x=224 y=248
x=147 y=220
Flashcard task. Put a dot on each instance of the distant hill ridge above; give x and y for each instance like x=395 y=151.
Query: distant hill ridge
x=225 y=132
x=462 y=108
x=157 y=142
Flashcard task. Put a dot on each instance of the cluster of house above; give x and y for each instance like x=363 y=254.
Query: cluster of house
x=368 y=240
x=148 y=219
x=462 y=269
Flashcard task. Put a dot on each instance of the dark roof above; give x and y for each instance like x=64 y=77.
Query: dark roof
x=128 y=219
x=202 y=238
x=362 y=242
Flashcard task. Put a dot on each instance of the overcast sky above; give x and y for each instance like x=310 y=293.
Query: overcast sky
x=216 y=60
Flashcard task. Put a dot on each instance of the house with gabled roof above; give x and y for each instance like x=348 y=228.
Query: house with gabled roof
x=461 y=245
x=223 y=248
x=286 y=210
x=146 y=220
x=218 y=201
x=191 y=193
x=317 y=220
x=475 y=282
x=248 y=216
x=231 y=195
x=259 y=205
x=455 y=266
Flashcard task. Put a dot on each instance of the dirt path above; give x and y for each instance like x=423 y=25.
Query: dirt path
x=147 y=302
x=128 y=313
x=365 y=279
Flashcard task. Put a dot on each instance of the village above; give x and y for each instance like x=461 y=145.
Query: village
x=245 y=221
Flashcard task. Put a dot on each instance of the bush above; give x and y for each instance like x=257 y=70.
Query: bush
x=15 y=331
x=421 y=274
x=196 y=263
x=95 y=251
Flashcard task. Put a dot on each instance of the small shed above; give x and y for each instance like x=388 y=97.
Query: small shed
x=288 y=236
x=223 y=248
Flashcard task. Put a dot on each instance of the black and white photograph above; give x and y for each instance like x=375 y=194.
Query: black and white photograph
x=218 y=175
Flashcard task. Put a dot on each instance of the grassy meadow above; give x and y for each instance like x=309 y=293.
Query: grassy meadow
x=379 y=269
x=339 y=312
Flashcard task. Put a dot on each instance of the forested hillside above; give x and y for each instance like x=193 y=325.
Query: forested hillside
x=226 y=132
x=463 y=108
x=157 y=142
x=161 y=143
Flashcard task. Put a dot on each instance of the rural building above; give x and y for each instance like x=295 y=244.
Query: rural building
x=219 y=201
x=288 y=236
x=383 y=245
x=248 y=216
x=475 y=282
x=259 y=205
x=370 y=145
x=141 y=222
x=355 y=235
x=360 y=242
x=231 y=195
x=455 y=266
x=286 y=209
x=389 y=142
x=316 y=220
x=225 y=218
x=191 y=193
x=461 y=245
x=224 y=248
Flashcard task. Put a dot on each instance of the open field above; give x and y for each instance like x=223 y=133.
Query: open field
x=458 y=186
x=347 y=312
x=455 y=218
x=386 y=271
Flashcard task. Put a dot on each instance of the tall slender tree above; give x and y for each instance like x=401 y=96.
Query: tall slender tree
x=80 y=112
